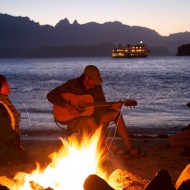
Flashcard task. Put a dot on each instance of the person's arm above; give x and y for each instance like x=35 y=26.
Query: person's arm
x=55 y=95
x=56 y=98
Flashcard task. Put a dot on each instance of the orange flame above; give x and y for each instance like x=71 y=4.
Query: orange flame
x=68 y=169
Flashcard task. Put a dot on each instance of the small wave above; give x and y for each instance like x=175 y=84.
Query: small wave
x=32 y=110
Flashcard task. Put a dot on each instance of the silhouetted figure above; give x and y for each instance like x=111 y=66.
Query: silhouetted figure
x=181 y=139
x=11 y=149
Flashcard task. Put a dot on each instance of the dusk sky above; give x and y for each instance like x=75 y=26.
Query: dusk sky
x=164 y=16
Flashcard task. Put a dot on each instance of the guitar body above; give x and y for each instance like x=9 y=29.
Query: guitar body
x=79 y=101
x=84 y=104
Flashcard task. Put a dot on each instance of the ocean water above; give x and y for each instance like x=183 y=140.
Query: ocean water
x=161 y=86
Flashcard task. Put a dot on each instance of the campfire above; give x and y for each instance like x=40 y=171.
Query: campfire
x=68 y=169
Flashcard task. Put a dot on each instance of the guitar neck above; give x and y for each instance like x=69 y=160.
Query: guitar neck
x=129 y=103
x=101 y=104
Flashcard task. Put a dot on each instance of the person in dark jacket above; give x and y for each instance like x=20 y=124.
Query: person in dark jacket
x=11 y=149
x=80 y=90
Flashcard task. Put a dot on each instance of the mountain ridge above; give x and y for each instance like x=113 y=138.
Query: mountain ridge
x=23 y=33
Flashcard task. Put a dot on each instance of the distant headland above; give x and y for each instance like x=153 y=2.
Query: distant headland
x=21 y=37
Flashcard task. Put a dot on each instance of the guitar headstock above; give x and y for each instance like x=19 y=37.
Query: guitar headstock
x=130 y=103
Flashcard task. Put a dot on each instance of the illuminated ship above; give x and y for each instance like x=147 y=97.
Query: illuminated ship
x=131 y=51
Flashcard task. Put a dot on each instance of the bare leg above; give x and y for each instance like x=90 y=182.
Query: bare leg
x=87 y=126
x=122 y=131
x=121 y=127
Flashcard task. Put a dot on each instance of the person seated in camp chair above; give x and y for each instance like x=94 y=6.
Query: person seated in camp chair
x=11 y=149
x=181 y=139
x=72 y=97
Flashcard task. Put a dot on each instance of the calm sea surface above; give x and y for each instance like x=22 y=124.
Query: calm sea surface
x=161 y=85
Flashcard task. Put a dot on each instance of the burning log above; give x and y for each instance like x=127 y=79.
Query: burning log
x=6 y=183
x=162 y=180
x=120 y=179
x=68 y=169
x=94 y=182
x=185 y=185
x=3 y=187
x=36 y=186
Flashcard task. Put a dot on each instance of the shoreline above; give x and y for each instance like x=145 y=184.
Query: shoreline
x=133 y=133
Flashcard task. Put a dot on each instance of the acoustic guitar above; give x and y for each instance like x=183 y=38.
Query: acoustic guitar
x=84 y=104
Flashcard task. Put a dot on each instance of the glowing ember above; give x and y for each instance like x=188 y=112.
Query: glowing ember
x=68 y=169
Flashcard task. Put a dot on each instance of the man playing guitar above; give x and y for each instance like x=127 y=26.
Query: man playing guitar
x=72 y=97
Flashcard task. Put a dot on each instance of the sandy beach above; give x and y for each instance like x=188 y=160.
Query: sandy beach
x=141 y=170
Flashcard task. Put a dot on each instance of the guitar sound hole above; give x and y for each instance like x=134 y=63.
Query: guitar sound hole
x=82 y=105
